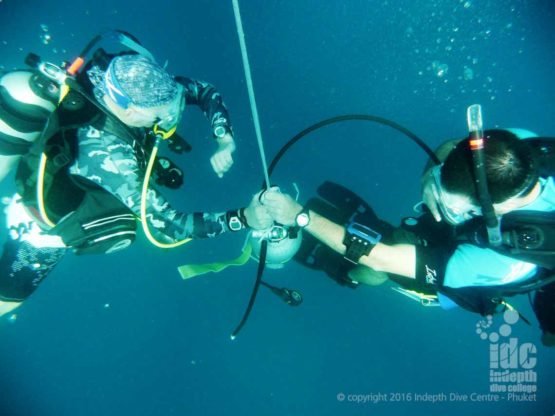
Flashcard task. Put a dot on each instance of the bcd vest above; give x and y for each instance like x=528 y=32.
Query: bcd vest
x=87 y=218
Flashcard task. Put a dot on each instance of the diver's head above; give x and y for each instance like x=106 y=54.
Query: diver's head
x=511 y=173
x=141 y=93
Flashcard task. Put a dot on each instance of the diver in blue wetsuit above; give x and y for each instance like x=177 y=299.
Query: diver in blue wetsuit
x=447 y=254
x=83 y=183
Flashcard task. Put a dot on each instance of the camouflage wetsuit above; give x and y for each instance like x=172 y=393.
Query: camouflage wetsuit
x=110 y=162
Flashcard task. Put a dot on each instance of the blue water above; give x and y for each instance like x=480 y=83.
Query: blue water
x=124 y=335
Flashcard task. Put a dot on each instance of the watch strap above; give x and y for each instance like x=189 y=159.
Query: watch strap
x=236 y=220
x=358 y=246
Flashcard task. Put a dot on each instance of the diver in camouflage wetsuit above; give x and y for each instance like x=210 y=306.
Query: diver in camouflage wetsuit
x=141 y=94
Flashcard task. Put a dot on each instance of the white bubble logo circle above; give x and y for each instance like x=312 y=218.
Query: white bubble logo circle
x=510 y=317
x=505 y=330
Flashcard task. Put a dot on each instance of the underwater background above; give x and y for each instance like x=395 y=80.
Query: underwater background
x=124 y=334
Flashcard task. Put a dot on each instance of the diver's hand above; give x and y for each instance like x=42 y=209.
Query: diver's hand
x=427 y=179
x=281 y=207
x=222 y=160
x=428 y=194
x=257 y=215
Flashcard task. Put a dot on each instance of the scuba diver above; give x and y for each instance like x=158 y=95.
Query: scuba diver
x=488 y=231
x=84 y=139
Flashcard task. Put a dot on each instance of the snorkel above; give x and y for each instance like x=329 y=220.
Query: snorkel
x=476 y=141
x=119 y=37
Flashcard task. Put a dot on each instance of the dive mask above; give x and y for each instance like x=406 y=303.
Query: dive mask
x=455 y=209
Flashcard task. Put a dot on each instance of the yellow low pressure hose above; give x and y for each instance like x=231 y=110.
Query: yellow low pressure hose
x=40 y=191
x=64 y=89
x=144 y=195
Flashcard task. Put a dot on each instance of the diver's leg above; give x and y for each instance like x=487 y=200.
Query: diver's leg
x=29 y=255
x=7 y=307
x=22 y=268
x=7 y=163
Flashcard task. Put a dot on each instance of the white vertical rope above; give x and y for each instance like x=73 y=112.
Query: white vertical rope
x=250 y=89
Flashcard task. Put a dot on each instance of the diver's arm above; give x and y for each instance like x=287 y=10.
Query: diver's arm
x=7 y=163
x=442 y=151
x=117 y=171
x=170 y=225
x=209 y=100
x=177 y=226
x=398 y=259
x=426 y=180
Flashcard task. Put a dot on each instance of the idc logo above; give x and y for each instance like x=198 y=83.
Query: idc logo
x=511 y=362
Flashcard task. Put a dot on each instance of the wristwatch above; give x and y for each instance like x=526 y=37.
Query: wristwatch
x=303 y=218
x=359 y=241
x=236 y=220
x=220 y=131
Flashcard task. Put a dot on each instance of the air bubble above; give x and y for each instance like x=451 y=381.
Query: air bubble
x=468 y=73
x=45 y=37
x=440 y=69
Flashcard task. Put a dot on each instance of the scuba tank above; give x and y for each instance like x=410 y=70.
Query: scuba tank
x=282 y=245
x=27 y=99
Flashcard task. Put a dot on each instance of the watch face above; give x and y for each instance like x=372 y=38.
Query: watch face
x=235 y=224
x=219 y=131
x=302 y=219
x=364 y=232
